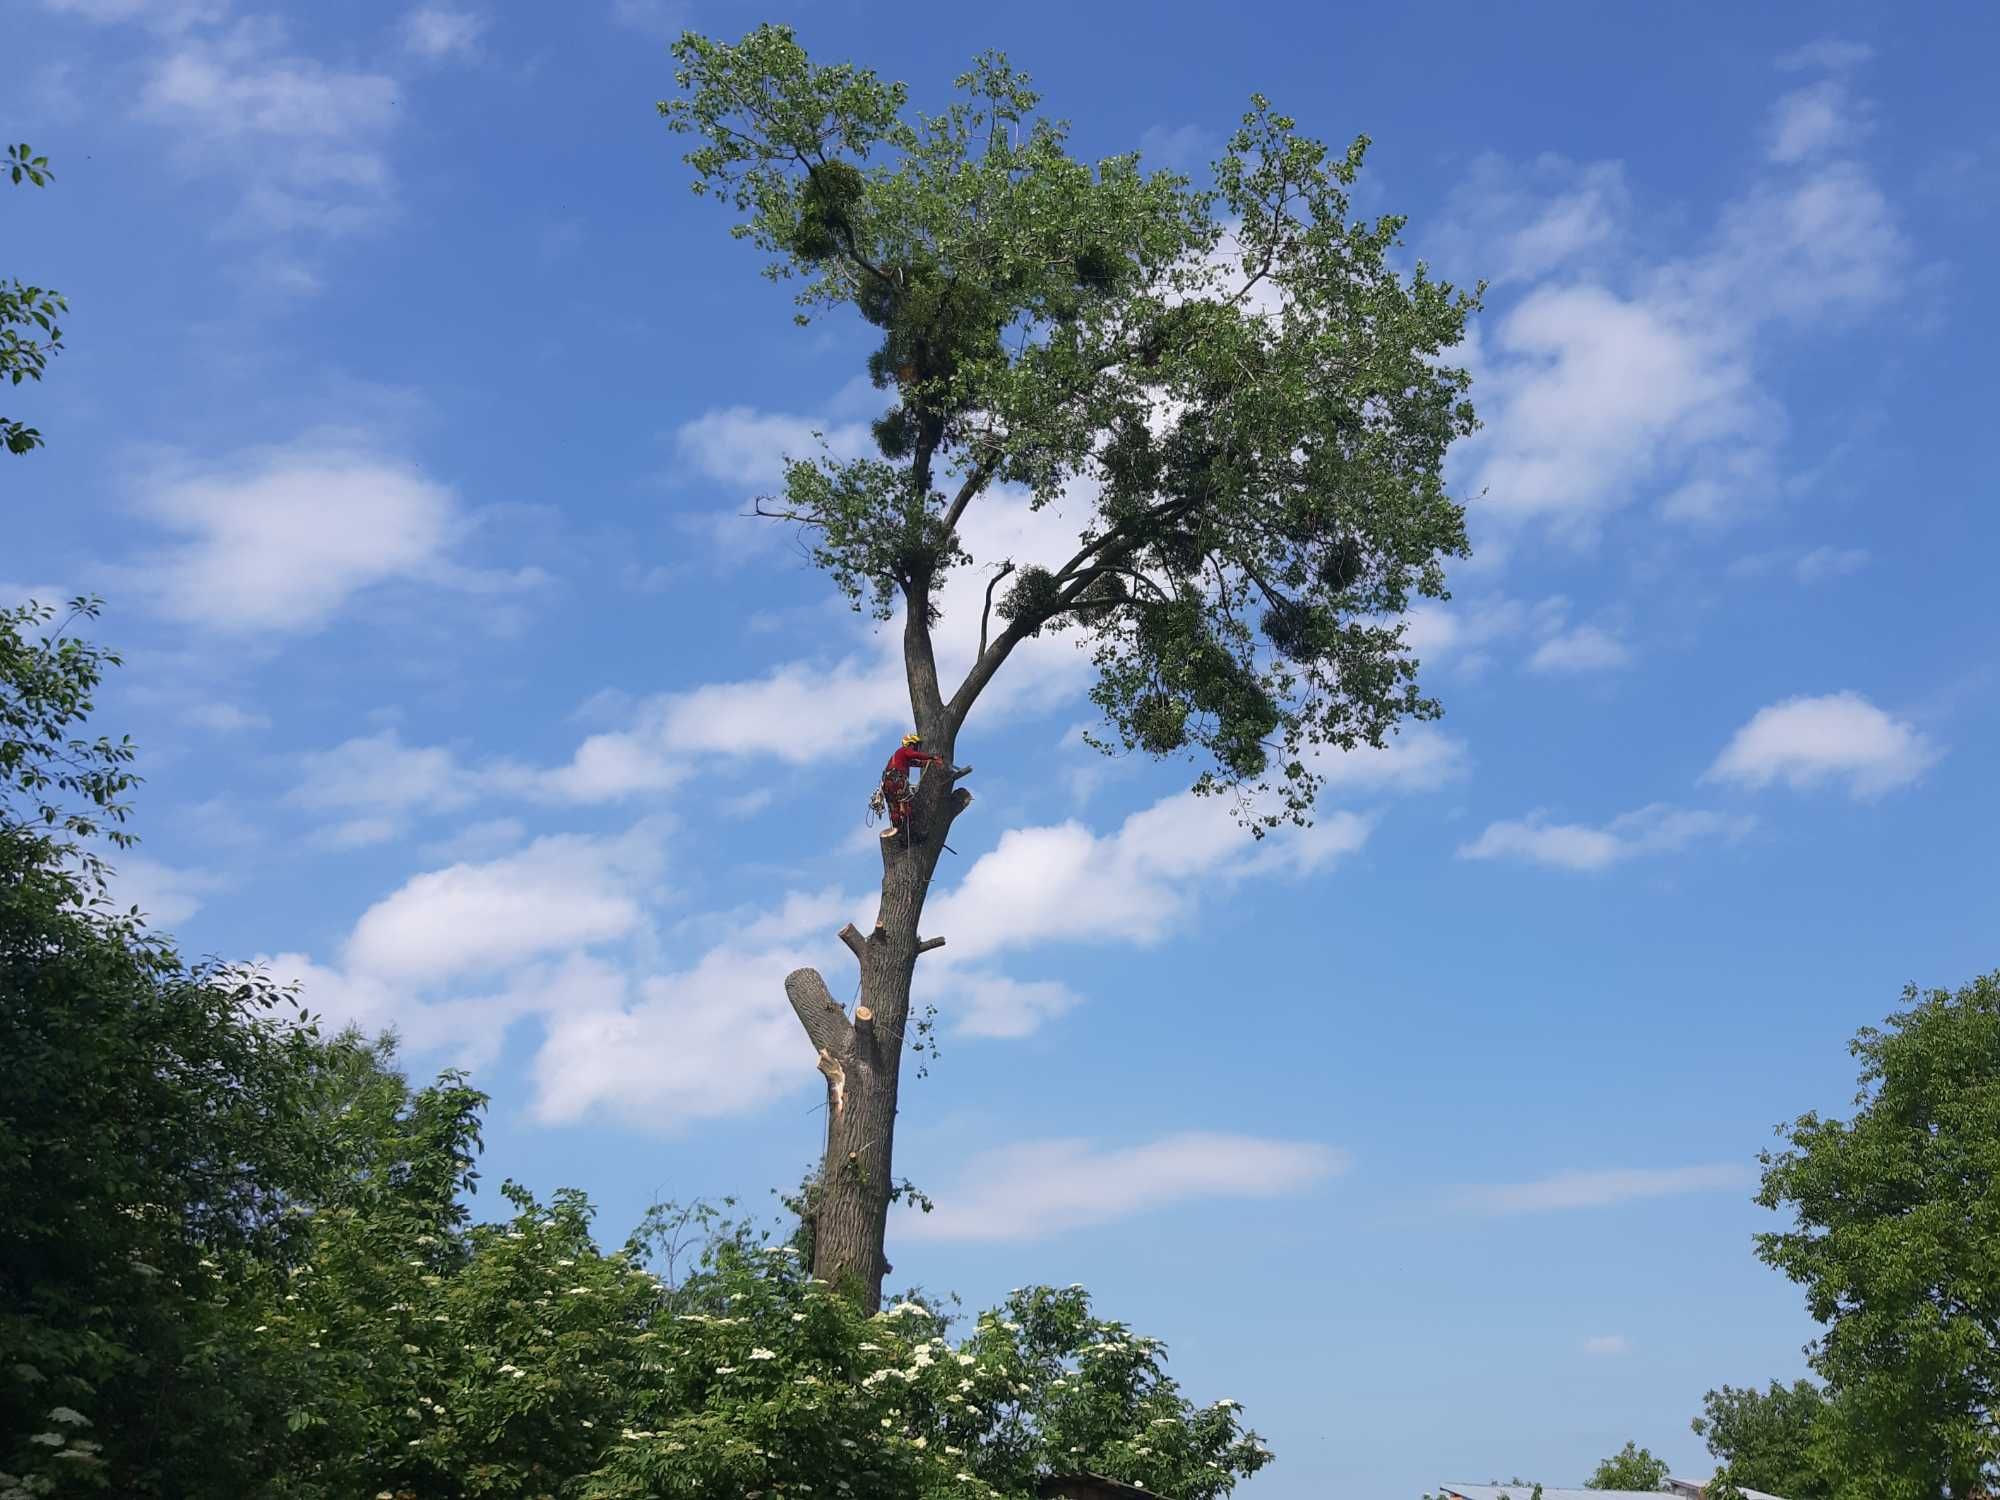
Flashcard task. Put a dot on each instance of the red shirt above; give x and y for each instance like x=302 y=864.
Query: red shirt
x=908 y=756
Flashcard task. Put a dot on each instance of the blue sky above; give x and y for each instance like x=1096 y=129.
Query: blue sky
x=411 y=405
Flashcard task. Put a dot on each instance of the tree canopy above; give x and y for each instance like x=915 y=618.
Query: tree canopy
x=1896 y=1241
x=1766 y=1440
x=1247 y=399
x=1630 y=1468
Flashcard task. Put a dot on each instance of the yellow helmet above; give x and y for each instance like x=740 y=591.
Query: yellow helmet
x=913 y=739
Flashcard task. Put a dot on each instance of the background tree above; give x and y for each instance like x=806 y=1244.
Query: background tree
x=1630 y=1468
x=33 y=308
x=1897 y=1244
x=1766 y=1440
x=1249 y=396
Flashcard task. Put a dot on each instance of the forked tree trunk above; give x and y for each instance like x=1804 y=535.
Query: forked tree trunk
x=862 y=1055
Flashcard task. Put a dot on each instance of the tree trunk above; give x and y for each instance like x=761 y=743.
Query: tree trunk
x=862 y=1056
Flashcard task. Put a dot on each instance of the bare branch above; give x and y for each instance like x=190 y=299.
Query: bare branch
x=986 y=614
x=927 y=944
x=856 y=943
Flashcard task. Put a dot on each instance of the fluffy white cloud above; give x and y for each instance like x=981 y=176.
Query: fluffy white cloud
x=741 y=445
x=163 y=893
x=281 y=540
x=1040 y=1188
x=559 y=893
x=1587 y=648
x=1602 y=1189
x=438 y=31
x=1642 y=375
x=1657 y=829
x=1807 y=742
x=718 y=1039
x=1421 y=758
x=1606 y=1344
x=1065 y=883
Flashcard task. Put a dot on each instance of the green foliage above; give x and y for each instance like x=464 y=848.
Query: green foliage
x=1630 y=1468
x=1250 y=401
x=33 y=308
x=155 y=1121
x=1897 y=1244
x=237 y=1257
x=1765 y=1440
x=57 y=788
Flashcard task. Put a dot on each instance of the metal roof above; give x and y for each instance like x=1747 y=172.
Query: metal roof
x=1550 y=1492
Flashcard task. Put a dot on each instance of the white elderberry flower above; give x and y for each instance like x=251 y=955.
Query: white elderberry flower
x=760 y=1352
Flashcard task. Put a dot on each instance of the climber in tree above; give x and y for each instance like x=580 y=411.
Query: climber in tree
x=894 y=795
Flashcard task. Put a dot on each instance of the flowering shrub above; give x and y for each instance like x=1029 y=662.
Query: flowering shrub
x=536 y=1365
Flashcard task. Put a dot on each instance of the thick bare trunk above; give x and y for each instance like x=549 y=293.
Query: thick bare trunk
x=861 y=1055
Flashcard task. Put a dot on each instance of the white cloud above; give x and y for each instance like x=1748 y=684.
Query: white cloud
x=378 y=772
x=305 y=138
x=564 y=892
x=1823 y=563
x=164 y=894
x=1830 y=54
x=1812 y=120
x=1602 y=1189
x=356 y=833
x=225 y=718
x=1420 y=758
x=469 y=1029
x=280 y=540
x=1816 y=565
x=1066 y=883
x=1036 y=1189
x=1516 y=223
x=477 y=841
x=1635 y=375
x=1587 y=648
x=159 y=15
x=14 y=595
x=661 y=18
x=1807 y=742
x=743 y=446
x=992 y=1005
x=438 y=31
x=718 y=1039
x=1657 y=829
x=1607 y=1344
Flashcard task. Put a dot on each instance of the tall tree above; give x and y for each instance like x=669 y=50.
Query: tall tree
x=1630 y=1468
x=1897 y=1244
x=1251 y=397
x=34 y=308
x=1765 y=1440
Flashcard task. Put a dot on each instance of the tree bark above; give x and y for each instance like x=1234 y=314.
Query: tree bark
x=861 y=1056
